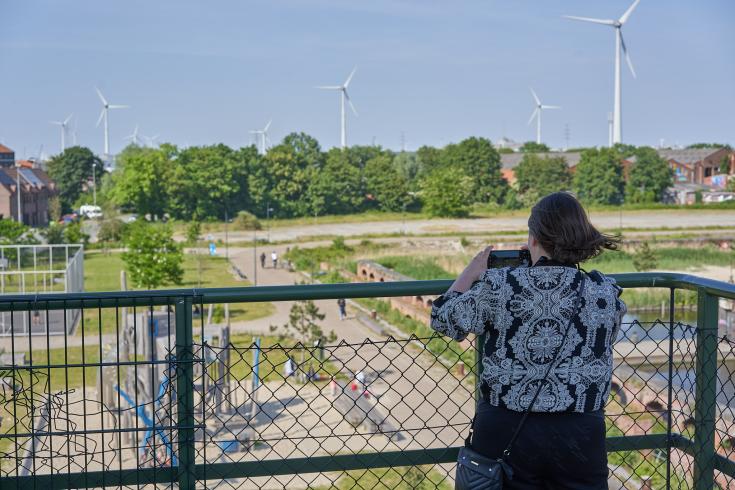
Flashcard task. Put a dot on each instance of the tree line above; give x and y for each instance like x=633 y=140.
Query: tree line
x=297 y=178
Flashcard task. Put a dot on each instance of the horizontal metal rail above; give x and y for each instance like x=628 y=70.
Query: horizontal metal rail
x=53 y=301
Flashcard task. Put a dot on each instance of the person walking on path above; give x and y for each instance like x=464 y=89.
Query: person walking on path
x=274 y=258
x=262 y=260
x=342 y=304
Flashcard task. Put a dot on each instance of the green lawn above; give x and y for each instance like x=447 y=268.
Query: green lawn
x=102 y=273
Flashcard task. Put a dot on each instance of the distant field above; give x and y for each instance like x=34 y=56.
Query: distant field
x=102 y=273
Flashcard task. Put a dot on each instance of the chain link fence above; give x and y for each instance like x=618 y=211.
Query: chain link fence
x=147 y=394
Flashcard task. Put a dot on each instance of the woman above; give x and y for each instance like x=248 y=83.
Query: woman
x=525 y=312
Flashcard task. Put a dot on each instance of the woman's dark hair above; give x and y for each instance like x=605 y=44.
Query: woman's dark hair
x=561 y=226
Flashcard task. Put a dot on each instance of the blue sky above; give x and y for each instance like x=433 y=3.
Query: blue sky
x=200 y=72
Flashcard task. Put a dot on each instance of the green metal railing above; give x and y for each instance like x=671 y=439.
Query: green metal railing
x=709 y=347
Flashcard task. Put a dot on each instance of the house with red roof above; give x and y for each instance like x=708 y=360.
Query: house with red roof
x=36 y=189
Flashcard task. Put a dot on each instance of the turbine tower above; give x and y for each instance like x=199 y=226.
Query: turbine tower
x=344 y=96
x=537 y=114
x=64 y=128
x=106 y=106
x=262 y=134
x=619 y=45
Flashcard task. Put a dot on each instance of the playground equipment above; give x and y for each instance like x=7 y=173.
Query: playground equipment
x=40 y=269
x=145 y=398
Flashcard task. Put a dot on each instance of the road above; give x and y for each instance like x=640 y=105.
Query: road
x=658 y=219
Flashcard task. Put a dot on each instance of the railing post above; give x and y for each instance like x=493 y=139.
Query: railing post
x=705 y=391
x=479 y=348
x=185 y=393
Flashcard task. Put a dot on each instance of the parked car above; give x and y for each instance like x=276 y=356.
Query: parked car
x=90 y=212
x=68 y=218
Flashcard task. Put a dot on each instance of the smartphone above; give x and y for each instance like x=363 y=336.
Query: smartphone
x=508 y=258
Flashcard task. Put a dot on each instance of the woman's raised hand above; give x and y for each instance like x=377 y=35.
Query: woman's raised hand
x=473 y=271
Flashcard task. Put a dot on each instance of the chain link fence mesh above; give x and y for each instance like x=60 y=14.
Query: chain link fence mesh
x=105 y=400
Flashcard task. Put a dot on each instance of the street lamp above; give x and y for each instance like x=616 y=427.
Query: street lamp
x=94 y=182
x=268 y=212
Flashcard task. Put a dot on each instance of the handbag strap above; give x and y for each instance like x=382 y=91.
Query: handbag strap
x=527 y=411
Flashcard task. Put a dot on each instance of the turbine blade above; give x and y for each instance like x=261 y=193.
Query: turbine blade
x=624 y=18
x=66 y=121
x=57 y=123
x=535 y=97
x=119 y=107
x=349 y=101
x=533 y=115
x=605 y=22
x=627 y=55
x=349 y=79
x=102 y=114
x=267 y=125
x=102 y=97
x=550 y=107
x=329 y=87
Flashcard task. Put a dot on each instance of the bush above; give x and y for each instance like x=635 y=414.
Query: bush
x=645 y=258
x=246 y=221
x=111 y=230
x=193 y=232
x=73 y=234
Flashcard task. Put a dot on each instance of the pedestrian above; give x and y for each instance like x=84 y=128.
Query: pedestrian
x=274 y=258
x=262 y=260
x=342 y=304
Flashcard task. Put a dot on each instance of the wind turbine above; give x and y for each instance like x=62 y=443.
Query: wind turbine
x=344 y=96
x=151 y=140
x=263 y=135
x=64 y=125
x=134 y=138
x=106 y=106
x=619 y=44
x=537 y=114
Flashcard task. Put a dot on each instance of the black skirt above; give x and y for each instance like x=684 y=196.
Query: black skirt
x=553 y=450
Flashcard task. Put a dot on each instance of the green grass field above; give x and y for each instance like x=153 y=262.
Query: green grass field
x=102 y=273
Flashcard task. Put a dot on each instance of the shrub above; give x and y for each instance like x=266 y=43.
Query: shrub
x=247 y=221
x=111 y=230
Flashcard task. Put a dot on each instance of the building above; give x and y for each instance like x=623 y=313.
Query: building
x=509 y=161
x=36 y=189
x=703 y=166
x=7 y=157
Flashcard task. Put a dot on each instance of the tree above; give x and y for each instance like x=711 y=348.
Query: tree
x=533 y=147
x=538 y=176
x=210 y=181
x=152 y=257
x=140 y=182
x=281 y=178
x=649 y=177
x=645 y=258
x=111 y=230
x=336 y=187
x=477 y=157
x=714 y=146
x=72 y=171
x=385 y=184
x=14 y=233
x=598 y=178
x=407 y=164
x=303 y=324
x=73 y=233
x=447 y=192
x=428 y=159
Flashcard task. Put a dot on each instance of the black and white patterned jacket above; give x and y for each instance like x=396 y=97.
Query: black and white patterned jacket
x=524 y=312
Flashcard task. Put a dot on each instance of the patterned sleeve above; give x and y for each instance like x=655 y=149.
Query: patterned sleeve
x=456 y=314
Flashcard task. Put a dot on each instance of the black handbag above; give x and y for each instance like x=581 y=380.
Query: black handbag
x=477 y=472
